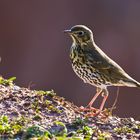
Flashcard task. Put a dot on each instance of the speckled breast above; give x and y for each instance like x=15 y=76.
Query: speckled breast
x=84 y=70
x=86 y=74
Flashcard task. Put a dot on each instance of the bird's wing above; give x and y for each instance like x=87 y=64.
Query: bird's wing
x=98 y=58
x=100 y=61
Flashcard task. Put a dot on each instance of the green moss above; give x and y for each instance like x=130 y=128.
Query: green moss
x=53 y=109
x=48 y=102
x=61 y=129
x=49 y=93
x=8 y=127
x=37 y=117
x=4 y=125
x=103 y=135
x=7 y=82
x=138 y=126
x=5 y=128
x=86 y=132
x=16 y=128
x=70 y=138
x=124 y=129
x=4 y=119
x=36 y=131
x=80 y=122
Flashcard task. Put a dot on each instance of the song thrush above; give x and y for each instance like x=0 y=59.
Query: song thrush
x=93 y=66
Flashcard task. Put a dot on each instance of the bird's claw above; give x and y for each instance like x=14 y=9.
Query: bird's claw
x=93 y=112
x=87 y=109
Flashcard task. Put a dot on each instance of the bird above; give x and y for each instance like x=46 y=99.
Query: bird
x=94 y=67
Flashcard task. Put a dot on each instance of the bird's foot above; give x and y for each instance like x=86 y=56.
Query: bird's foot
x=93 y=112
x=88 y=109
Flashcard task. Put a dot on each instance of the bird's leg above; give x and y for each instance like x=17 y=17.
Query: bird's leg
x=89 y=106
x=98 y=92
x=103 y=102
x=105 y=96
x=97 y=112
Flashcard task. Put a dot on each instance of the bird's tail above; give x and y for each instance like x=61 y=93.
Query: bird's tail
x=134 y=83
x=137 y=84
x=131 y=83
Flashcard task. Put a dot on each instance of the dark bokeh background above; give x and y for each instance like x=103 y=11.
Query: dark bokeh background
x=34 y=49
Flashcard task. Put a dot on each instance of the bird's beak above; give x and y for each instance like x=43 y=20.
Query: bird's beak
x=68 y=31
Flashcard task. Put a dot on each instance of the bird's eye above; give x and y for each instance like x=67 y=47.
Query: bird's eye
x=81 y=33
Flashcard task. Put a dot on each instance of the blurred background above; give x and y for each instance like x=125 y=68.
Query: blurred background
x=34 y=48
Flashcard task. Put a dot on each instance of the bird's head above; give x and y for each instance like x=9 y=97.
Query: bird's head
x=80 y=34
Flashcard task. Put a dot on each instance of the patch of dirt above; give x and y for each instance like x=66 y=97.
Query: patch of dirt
x=58 y=117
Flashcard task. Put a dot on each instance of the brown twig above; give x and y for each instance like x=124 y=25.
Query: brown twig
x=116 y=99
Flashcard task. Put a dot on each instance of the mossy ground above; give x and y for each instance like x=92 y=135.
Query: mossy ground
x=42 y=115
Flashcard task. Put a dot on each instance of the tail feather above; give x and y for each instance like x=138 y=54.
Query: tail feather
x=130 y=82
x=138 y=84
x=134 y=83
